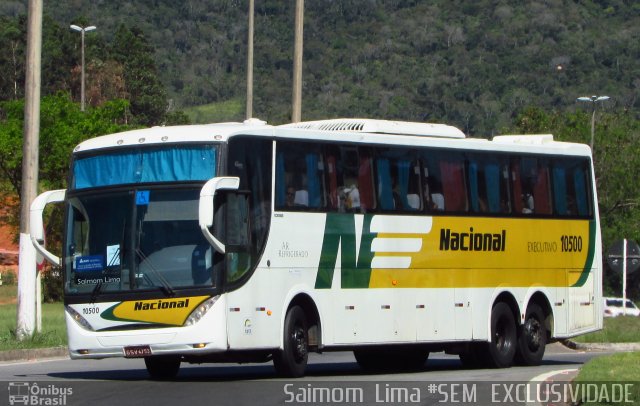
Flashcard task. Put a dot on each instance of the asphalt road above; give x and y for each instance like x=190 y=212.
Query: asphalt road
x=331 y=378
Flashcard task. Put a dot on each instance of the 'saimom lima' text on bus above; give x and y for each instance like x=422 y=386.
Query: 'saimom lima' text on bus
x=249 y=242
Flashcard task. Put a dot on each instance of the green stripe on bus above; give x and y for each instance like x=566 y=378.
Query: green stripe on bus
x=590 y=254
x=340 y=232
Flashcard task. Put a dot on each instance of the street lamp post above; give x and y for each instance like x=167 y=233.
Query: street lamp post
x=82 y=30
x=593 y=100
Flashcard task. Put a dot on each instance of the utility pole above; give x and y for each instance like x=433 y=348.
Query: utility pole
x=297 y=63
x=250 y=63
x=27 y=257
x=593 y=100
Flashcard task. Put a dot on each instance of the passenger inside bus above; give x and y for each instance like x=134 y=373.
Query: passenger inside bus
x=290 y=197
x=352 y=198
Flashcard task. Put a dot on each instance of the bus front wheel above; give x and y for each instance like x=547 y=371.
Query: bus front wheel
x=291 y=361
x=502 y=347
x=162 y=367
x=532 y=338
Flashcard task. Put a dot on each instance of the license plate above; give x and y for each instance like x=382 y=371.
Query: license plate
x=137 y=351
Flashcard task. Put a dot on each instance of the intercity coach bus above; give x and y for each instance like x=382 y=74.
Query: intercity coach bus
x=245 y=242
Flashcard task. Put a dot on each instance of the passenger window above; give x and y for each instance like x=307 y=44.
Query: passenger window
x=570 y=189
x=349 y=179
x=488 y=185
x=531 y=178
x=398 y=180
x=453 y=182
x=300 y=177
x=431 y=184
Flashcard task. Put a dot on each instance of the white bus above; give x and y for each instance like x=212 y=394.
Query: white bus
x=248 y=242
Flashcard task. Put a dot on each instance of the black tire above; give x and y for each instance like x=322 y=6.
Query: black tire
x=532 y=337
x=500 y=351
x=291 y=361
x=366 y=360
x=381 y=360
x=469 y=358
x=162 y=367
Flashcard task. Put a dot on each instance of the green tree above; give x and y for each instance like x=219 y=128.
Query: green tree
x=12 y=59
x=145 y=91
x=62 y=127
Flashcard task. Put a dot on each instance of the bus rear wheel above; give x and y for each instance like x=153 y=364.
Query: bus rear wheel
x=291 y=361
x=532 y=338
x=470 y=358
x=501 y=350
x=162 y=367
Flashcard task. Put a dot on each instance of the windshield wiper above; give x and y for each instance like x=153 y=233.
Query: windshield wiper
x=96 y=291
x=166 y=286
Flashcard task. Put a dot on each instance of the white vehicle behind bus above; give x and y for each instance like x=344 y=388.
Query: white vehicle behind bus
x=613 y=307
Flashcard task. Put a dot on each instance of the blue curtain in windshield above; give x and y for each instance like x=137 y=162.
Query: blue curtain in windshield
x=144 y=166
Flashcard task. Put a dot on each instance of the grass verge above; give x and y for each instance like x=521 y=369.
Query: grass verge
x=622 y=368
x=621 y=329
x=53 y=332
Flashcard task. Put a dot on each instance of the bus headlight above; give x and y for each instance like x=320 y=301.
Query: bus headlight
x=79 y=319
x=200 y=311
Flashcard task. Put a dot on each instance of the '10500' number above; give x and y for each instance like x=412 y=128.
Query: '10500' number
x=571 y=243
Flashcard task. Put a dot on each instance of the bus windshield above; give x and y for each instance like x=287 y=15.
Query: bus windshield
x=132 y=220
x=141 y=239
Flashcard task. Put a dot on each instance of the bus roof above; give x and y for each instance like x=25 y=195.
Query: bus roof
x=353 y=130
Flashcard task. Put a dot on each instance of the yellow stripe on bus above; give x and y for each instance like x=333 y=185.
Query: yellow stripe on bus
x=485 y=252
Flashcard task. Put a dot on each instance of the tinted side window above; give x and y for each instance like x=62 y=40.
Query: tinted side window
x=488 y=184
x=300 y=176
x=571 y=195
x=397 y=180
x=531 y=185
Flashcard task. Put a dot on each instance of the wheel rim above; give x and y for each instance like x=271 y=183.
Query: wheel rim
x=533 y=334
x=299 y=341
x=501 y=336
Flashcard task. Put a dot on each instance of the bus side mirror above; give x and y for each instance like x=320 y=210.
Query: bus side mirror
x=206 y=209
x=36 y=223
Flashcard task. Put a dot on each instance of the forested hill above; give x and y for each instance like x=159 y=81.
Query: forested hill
x=473 y=63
